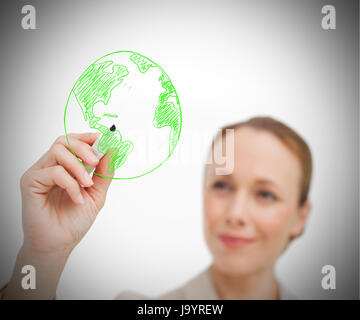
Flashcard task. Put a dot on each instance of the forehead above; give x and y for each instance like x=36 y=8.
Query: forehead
x=259 y=154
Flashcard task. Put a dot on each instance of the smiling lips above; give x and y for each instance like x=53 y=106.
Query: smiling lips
x=235 y=242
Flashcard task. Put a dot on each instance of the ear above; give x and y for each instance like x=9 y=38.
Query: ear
x=300 y=220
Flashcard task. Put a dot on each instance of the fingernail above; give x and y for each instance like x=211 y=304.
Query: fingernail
x=88 y=179
x=80 y=198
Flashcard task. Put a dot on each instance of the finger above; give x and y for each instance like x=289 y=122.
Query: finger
x=48 y=160
x=83 y=151
x=67 y=160
x=87 y=137
x=42 y=181
x=101 y=185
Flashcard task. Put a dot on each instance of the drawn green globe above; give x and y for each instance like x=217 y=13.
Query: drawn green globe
x=133 y=93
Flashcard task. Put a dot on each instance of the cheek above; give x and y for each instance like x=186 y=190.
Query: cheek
x=273 y=223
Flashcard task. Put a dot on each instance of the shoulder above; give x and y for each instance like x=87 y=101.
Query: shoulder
x=197 y=288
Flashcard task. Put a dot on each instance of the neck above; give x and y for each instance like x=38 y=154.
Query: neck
x=256 y=286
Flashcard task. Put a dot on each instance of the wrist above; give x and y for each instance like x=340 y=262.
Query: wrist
x=46 y=267
x=44 y=256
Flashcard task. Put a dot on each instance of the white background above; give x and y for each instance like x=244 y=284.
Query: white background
x=228 y=61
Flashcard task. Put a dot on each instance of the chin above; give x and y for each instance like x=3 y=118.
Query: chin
x=234 y=265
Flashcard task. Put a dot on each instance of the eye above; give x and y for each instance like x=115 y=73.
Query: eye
x=266 y=195
x=221 y=185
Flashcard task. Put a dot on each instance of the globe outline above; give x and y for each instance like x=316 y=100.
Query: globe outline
x=180 y=128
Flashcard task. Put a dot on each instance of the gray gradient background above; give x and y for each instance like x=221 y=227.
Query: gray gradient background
x=228 y=60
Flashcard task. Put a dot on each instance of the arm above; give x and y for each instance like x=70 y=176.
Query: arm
x=48 y=271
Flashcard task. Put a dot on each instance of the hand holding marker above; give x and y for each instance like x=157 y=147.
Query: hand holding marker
x=98 y=154
x=60 y=202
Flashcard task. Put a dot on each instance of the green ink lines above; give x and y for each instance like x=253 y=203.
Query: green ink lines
x=117 y=150
x=142 y=62
x=150 y=101
x=167 y=113
x=95 y=85
x=110 y=115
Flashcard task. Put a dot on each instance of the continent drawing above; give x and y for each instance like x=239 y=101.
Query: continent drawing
x=142 y=62
x=167 y=113
x=130 y=90
x=95 y=85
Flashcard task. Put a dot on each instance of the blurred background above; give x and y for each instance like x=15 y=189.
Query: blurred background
x=228 y=60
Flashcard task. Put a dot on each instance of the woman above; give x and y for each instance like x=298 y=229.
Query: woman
x=250 y=215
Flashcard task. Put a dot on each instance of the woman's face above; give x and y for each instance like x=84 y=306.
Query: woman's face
x=258 y=204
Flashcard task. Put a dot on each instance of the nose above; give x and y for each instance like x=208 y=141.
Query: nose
x=238 y=211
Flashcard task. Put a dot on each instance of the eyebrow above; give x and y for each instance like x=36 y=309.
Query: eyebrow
x=267 y=182
x=224 y=176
